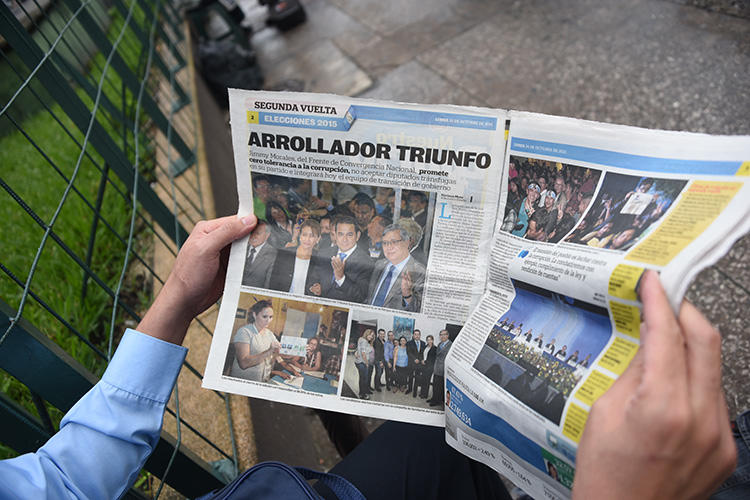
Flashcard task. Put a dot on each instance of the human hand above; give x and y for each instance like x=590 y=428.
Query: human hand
x=662 y=430
x=406 y=285
x=316 y=289
x=275 y=347
x=317 y=202
x=197 y=277
x=338 y=267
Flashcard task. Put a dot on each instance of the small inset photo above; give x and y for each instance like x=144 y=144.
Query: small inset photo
x=542 y=347
x=397 y=359
x=287 y=343
x=546 y=199
x=626 y=210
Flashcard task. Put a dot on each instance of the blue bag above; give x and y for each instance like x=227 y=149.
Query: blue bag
x=278 y=481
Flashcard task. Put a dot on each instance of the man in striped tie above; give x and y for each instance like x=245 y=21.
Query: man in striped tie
x=398 y=280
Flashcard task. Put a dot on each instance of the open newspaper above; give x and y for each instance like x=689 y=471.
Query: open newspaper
x=560 y=320
x=378 y=224
x=415 y=258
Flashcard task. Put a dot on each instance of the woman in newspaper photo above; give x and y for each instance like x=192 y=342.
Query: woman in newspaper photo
x=298 y=268
x=364 y=358
x=255 y=346
x=280 y=223
x=400 y=365
x=527 y=210
x=313 y=356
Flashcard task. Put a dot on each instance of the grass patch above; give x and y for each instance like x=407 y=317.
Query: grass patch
x=58 y=279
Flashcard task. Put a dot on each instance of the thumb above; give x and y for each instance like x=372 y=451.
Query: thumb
x=232 y=229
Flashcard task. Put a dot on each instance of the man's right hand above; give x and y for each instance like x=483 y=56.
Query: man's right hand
x=338 y=267
x=662 y=430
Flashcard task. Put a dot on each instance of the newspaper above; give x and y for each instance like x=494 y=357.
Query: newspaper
x=415 y=258
x=379 y=218
x=560 y=320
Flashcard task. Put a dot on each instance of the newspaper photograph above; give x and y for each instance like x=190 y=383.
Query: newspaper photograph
x=372 y=248
x=585 y=209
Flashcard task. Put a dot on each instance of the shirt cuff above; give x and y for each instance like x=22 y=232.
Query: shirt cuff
x=145 y=366
x=341 y=281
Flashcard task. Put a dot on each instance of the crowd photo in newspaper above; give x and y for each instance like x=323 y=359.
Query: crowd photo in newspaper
x=398 y=360
x=337 y=240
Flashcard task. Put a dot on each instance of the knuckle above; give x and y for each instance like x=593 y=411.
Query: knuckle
x=728 y=458
x=674 y=420
x=709 y=438
x=712 y=338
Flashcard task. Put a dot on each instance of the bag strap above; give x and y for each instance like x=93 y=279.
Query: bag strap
x=342 y=488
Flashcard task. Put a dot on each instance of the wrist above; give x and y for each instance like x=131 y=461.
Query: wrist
x=166 y=319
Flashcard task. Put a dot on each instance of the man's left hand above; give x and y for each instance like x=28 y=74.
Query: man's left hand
x=197 y=277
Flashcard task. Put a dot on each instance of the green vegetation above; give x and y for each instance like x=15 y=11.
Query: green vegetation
x=58 y=279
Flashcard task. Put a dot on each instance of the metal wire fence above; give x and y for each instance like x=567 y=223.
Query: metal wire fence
x=99 y=188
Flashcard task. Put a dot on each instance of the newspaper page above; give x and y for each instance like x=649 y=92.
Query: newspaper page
x=377 y=224
x=585 y=209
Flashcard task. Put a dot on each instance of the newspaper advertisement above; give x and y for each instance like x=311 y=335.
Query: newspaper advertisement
x=585 y=209
x=373 y=248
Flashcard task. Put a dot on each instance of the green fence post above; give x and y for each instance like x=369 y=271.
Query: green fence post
x=100 y=39
x=60 y=90
x=183 y=98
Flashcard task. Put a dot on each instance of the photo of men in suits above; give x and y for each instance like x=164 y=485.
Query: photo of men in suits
x=350 y=266
x=260 y=257
x=372 y=242
x=397 y=281
x=407 y=347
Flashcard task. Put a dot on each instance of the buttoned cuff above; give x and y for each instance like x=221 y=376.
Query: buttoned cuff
x=145 y=366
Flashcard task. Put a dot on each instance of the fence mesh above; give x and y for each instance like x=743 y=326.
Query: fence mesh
x=99 y=181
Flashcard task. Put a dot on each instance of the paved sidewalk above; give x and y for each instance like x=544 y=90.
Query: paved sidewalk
x=647 y=63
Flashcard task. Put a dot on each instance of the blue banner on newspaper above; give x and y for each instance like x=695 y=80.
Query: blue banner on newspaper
x=425 y=117
x=373 y=113
x=306 y=121
x=623 y=160
x=493 y=426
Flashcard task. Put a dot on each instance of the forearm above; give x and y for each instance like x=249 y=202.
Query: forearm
x=166 y=319
x=119 y=421
x=250 y=360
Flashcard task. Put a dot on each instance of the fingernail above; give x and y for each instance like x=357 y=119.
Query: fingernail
x=249 y=220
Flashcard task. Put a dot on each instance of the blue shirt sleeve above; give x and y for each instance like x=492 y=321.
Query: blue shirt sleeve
x=105 y=439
